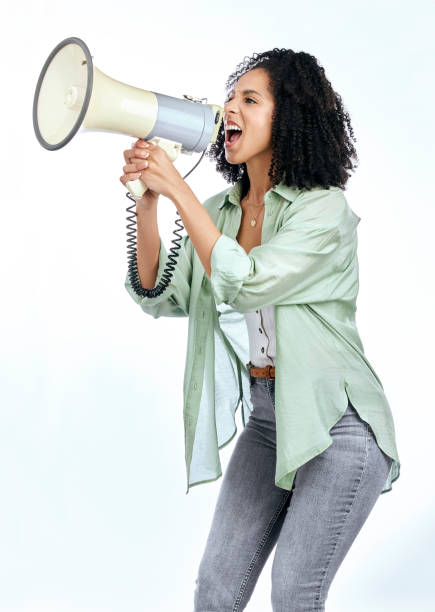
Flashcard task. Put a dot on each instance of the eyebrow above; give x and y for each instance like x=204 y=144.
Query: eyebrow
x=247 y=91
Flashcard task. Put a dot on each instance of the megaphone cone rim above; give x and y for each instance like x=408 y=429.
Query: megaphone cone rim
x=88 y=93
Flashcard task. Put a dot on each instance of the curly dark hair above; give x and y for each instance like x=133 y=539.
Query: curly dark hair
x=311 y=146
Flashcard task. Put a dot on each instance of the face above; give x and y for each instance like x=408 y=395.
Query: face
x=252 y=112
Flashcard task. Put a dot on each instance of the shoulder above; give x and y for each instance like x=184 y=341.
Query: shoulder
x=215 y=200
x=212 y=203
x=319 y=203
x=320 y=207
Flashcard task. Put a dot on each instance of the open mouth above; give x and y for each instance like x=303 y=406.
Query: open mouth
x=232 y=136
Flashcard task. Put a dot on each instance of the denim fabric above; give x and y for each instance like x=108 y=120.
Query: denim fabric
x=312 y=526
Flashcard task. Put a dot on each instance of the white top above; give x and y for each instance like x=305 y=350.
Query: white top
x=261 y=332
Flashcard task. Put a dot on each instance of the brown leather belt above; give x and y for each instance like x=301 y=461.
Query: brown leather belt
x=266 y=372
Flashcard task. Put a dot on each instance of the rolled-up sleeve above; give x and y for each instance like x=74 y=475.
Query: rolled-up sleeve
x=175 y=299
x=301 y=263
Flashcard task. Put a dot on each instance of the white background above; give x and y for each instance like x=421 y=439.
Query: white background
x=93 y=511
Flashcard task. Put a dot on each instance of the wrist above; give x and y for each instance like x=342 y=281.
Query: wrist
x=181 y=191
x=147 y=203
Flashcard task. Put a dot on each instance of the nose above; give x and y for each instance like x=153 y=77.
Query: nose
x=228 y=107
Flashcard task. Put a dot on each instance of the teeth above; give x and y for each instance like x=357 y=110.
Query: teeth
x=232 y=127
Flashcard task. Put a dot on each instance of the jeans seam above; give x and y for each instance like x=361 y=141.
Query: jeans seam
x=340 y=534
x=257 y=552
x=270 y=396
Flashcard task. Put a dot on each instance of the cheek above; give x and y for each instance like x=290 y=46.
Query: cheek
x=263 y=126
x=262 y=134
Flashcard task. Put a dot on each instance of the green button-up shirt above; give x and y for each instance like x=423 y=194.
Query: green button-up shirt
x=307 y=267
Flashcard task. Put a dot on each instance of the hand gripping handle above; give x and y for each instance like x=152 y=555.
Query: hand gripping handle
x=137 y=187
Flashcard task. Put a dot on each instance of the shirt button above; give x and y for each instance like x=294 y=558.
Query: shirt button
x=262 y=349
x=259 y=329
x=195 y=386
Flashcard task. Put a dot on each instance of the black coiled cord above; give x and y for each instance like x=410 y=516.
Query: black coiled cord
x=133 y=273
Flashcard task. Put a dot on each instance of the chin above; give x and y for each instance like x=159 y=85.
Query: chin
x=236 y=162
x=234 y=158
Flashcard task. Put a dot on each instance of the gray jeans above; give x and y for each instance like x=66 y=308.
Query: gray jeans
x=313 y=525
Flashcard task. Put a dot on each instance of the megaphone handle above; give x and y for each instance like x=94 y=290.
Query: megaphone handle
x=137 y=187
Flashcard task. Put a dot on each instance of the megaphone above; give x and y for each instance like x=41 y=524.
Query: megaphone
x=72 y=94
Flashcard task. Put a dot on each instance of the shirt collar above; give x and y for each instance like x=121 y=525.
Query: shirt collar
x=233 y=194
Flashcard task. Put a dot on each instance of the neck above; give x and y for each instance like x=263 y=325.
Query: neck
x=258 y=182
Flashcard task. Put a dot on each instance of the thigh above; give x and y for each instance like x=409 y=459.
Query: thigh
x=247 y=516
x=333 y=495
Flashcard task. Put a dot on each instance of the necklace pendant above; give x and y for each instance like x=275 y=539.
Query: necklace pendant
x=253 y=222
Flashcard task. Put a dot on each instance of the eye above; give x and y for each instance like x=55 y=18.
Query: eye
x=228 y=99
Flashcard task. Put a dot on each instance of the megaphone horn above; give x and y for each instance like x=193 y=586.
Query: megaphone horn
x=72 y=94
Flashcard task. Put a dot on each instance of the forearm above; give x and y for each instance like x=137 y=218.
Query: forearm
x=148 y=245
x=198 y=223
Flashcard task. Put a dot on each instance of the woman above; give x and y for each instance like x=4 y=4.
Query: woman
x=269 y=271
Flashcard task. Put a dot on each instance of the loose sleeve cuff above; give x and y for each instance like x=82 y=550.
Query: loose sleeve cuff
x=230 y=266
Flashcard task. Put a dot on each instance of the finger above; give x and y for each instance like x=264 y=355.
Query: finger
x=142 y=163
x=130 y=177
x=141 y=152
x=143 y=143
x=128 y=155
x=138 y=160
x=138 y=144
x=135 y=155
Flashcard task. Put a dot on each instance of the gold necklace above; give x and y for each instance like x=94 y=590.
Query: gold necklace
x=253 y=221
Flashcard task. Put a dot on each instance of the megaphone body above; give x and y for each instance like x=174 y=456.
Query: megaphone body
x=72 y=95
